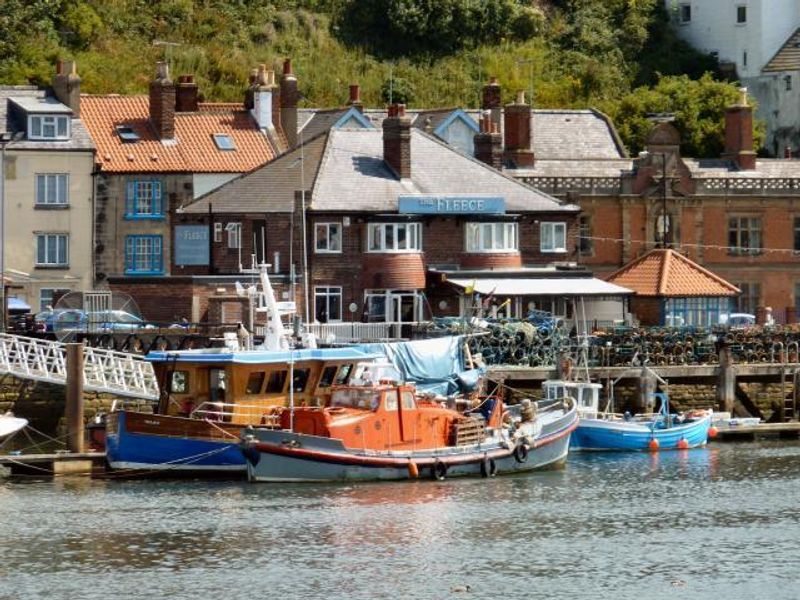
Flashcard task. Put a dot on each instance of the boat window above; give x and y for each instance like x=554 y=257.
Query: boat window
x=277 y=379
x=300 y=379
x=408 y=401
x=255 y=382
x=344 y=373
x=327 y=376
x=179 y=382
x=391 y=400
x=356 y=398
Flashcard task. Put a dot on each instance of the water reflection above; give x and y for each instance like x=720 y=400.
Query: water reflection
x=633 y=523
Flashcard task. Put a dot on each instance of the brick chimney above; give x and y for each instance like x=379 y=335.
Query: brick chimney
x=289 y=99
x=491 y=101
x=397 y=141
x=355 y=97
x=518 y=128
x=739 y=133
x=489 y=142
x=67 y=86
x=250 y=92
x=186 y=94
x=162 y=103
x=264 y=91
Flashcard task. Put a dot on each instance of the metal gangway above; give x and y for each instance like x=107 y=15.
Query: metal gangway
x=107 y=371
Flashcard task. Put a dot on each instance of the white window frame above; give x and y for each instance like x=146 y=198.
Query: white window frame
x=681 y=7
x=328 y=292
x=328 y=238
x=40 y=125
x=552 y=227
x=383 y=237
x=55 y=183
x=234 y=230
x=491 y=237
x=49 y=239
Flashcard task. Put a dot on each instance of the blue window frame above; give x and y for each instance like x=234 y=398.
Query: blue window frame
x=144 y=255
x=144 y=199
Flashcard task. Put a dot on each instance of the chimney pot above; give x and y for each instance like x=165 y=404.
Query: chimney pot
x=287 y=66
x=59 y=66
x=162 y=102
x=186 y=97
x=787 y=152
x=743 y=96
x=67 y=85
x=739 y=133
x=521 y=97
x=355 y=93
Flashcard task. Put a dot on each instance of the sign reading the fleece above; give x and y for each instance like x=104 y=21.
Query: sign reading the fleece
x=191 y=245
x=451 y=205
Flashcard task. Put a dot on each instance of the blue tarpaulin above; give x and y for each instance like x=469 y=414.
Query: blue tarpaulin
x=434 y=365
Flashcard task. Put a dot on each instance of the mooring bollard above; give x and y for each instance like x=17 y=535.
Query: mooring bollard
x=74 y=397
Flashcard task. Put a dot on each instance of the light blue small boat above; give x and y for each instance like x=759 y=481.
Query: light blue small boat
x=614 y=432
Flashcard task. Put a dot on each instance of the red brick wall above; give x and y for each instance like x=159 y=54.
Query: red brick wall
x=505 y=260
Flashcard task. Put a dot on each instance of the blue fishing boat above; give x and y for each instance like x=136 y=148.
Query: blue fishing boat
x=614 y=432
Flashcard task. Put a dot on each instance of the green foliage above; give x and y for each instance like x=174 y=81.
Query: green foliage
x=698 y=106
x=565 y=53
x=390 y=28
x=397 y=90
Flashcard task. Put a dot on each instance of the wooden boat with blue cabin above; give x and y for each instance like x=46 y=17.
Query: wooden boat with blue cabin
x=620 y=432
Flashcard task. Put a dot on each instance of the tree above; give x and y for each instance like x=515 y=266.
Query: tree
x=698 y=106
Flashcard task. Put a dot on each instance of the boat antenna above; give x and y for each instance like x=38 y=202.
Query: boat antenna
x=291 y=386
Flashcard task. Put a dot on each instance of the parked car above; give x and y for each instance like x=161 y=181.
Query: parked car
x=737 y=320
x=73 y=319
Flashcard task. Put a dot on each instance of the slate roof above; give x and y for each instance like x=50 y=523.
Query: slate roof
x=354 y=177
x=26 y=95
x=192 y=151
x=345 y=172
x=667 y=273
x=557 y=134
x=787 y=58
x=270 y=188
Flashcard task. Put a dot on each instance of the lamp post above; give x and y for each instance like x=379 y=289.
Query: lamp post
x=6 y=139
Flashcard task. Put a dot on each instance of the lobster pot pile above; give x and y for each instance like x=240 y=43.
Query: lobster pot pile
x=525 y=344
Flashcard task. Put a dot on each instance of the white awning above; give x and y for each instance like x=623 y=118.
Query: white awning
x=555 y=286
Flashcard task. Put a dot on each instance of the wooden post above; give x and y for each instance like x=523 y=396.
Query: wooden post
x=647 y=387
x=74 y=393
x=726 y=384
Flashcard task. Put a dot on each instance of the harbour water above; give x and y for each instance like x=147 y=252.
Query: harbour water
x=720 y=522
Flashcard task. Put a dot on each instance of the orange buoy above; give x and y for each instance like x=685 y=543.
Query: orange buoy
x=413 y=470
x=653 y=445
x=712 y=432
x=683 y=444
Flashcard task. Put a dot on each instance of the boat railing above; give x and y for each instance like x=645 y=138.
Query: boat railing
x=240 y=414
x=353 y=331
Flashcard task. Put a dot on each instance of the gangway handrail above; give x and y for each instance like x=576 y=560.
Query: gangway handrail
x=106 y=371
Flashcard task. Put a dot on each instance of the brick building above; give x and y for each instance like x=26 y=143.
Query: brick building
x=392 y=220
x=158 y=152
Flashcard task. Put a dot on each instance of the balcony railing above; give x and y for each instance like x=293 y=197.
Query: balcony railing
x=347 y=332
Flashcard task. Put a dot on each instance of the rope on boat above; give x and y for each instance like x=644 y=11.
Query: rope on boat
x=223 y=430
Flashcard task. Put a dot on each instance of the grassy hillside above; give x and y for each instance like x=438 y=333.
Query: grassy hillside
x=570 y=53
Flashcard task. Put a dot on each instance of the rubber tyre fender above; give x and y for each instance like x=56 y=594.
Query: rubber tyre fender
x=439 y=471
x=488 y=467
x=521 y=452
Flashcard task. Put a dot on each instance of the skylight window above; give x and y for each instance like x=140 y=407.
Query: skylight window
x=224 y=141
x=127 y=134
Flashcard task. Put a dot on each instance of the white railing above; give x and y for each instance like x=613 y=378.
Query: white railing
x=357 y=332
x=103 y=370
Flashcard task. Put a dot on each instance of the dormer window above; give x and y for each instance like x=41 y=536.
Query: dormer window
x=224 y=141
x=48 y=127
x=127 y=134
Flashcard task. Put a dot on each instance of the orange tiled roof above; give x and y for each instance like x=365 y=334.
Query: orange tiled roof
x=665 y=272
x=192 y=151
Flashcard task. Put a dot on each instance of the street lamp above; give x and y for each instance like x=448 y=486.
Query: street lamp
x=6 y=139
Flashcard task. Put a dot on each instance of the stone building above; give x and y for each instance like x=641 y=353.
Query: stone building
x=158 y=152
x=47 y=162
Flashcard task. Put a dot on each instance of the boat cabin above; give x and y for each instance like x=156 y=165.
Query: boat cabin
x=248 y=388
x=585 y=394
x=385 y=416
